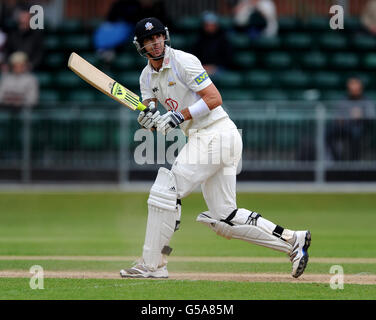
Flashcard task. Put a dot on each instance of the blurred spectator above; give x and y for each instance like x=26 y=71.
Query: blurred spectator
x=53 y=12
x=257 y=17
x=212 y=47
x=109 y=36
x=18 y=88
x=24 y=39
x=368 y=17
x=7 y=9
x=346 y=133
x=120 y=22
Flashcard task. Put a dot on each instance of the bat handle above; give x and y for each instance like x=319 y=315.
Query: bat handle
x=141 y=107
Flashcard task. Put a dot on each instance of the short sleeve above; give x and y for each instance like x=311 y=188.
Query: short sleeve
x=145 y=87
x=193 y=73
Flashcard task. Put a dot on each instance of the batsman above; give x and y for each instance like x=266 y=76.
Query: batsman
x=178 y=81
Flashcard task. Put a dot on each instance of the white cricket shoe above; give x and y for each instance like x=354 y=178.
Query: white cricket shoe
x=299 y=253
x=139 y=270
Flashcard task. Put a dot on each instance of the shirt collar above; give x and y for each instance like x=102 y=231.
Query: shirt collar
x=166 y=61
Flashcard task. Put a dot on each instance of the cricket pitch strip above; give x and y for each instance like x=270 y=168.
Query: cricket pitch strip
x=360 y=278
x=194 y=276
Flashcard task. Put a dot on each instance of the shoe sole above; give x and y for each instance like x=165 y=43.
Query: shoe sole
x=304 y=260
x=142 y=276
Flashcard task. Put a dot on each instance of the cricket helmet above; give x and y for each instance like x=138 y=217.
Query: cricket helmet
x=146 y=28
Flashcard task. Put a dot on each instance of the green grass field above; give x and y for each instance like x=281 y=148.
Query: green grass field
x=102 y=232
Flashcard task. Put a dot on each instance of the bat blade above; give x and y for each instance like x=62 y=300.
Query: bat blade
x=98 y=79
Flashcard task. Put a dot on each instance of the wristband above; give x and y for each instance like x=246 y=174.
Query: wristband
x=199 y=109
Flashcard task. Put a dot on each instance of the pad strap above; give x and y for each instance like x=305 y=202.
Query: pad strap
x=230 y=217
x=178 y=205
x=278 y=231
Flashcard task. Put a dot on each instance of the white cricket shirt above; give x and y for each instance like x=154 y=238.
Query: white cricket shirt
x=175 y=86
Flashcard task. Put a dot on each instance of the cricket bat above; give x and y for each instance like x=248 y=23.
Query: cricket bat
x=104 y=83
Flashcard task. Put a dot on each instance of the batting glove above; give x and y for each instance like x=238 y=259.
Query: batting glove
x=169 y=121
x=149 y=117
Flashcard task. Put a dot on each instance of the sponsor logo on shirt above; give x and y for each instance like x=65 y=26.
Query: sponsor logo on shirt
x=201 y=78
x=155 y=89
x=172 y=104
x=171 y=81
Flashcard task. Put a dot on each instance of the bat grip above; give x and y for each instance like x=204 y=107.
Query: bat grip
x=141 y=107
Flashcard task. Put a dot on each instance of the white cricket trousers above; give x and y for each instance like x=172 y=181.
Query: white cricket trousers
x=210 y=159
